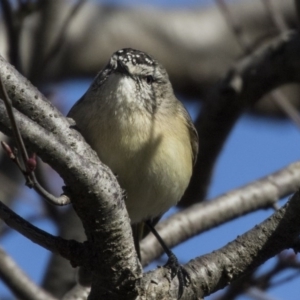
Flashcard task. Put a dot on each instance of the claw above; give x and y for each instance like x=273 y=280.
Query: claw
x=179 y=271
x=184 y=278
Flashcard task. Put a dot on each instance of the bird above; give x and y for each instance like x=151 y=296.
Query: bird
x=131 y=117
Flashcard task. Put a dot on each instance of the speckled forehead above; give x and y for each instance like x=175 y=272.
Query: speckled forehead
x=134 y=57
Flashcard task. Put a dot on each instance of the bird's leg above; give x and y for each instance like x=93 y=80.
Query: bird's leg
x=172 y=263
x=137 y=230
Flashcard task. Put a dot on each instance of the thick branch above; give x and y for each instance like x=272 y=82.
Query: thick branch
x=214 y=271
x=96 y=196
x=250 y=250
x=28 y=100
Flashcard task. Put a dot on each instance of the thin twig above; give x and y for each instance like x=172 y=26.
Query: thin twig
x=61 y=200
x=286 y=279
x=13 y=27
x=278 y=97
x=235 y=27
x=4 y=230
x=257 y=294
x=18 y=282
x=281 y=100
x=15 y=129
x=61 y=37
x=69 y=249
x=31 y=180
x=275 y=16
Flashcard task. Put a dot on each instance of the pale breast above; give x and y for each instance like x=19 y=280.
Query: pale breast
x=152 y=159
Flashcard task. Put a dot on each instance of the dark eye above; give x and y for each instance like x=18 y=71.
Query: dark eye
x=149 y=79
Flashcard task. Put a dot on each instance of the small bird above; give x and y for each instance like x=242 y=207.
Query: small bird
x=132 y=119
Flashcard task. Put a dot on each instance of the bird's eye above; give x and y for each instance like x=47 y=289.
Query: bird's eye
x=149 y=79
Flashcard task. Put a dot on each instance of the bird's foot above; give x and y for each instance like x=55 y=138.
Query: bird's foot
x=179 y=271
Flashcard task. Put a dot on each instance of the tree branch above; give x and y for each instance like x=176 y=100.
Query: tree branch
x=214 y=271
x=71 y=250
x=254 y=247
x=60 y=276
x=267 y=68
x=95 y=192
x=200 y=36
x=98 y=201
x=201 y=217
x=18 y=282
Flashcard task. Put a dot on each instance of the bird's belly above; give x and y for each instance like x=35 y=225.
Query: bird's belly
x=152 y=188
x=153 y=171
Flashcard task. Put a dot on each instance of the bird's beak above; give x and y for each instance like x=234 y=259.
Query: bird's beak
x=122 y=68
